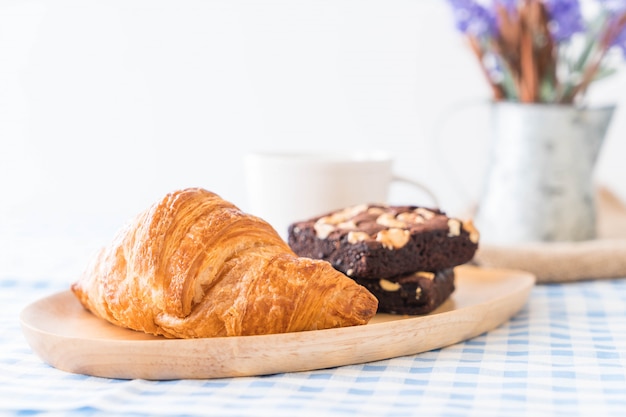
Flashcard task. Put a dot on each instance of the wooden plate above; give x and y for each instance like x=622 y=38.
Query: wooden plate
x=69 y=338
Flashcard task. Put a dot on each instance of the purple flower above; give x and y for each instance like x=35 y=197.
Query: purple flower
x=565 y=18
x=472 y=18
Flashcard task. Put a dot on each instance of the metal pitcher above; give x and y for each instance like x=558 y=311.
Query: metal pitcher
x=540 y=184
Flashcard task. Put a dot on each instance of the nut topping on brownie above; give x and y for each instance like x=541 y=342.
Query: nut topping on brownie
x=379 y=241
x=390 y=228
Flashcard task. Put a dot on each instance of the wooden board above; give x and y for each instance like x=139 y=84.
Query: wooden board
x=600 y=258
x=69 y=338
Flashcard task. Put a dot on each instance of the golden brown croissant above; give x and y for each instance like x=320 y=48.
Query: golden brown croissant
x=194 y=265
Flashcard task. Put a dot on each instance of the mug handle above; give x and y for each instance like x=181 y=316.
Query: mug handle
x=431 y=195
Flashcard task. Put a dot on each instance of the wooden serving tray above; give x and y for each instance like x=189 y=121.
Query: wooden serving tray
x=69 y=338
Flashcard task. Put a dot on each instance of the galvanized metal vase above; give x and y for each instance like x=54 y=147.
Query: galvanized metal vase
x=540 y=179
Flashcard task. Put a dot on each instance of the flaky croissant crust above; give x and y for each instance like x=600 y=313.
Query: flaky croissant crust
x=194 y=265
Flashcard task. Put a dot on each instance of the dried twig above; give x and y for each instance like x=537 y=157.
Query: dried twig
x=527 y=55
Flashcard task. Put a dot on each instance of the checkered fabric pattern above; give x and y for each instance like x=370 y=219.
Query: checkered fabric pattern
x=564 y=354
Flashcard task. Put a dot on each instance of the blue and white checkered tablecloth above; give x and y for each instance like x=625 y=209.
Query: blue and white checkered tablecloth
x=563 y=354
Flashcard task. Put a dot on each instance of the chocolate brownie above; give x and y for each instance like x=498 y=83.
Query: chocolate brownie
x=417 y=293
x=380 y=241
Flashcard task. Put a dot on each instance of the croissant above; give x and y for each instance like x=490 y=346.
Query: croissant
x=194 y=265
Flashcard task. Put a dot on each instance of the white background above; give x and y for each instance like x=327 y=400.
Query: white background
x=105 y=106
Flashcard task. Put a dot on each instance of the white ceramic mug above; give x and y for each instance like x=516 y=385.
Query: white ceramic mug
x=287 y=187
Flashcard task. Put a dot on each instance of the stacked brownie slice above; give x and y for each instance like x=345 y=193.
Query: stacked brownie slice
x=405 y=255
